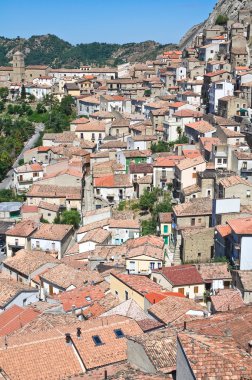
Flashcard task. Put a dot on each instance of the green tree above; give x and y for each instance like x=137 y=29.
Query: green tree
x=66 y=105
x=221 y=20
x=160 y=146
x=4 y=92
x=147 y=199
x=40 y=108
x=149 y=227
x=70 y=217
x=23 y=92
x=1 y=106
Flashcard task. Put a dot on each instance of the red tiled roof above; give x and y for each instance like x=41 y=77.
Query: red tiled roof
x=155 y=297
x=224 y=230
x=181 y=275
x=16 y=317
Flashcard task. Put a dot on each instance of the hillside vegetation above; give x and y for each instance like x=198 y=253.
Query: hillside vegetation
x=55 y=52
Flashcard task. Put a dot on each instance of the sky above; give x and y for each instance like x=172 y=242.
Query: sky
x=112 y=21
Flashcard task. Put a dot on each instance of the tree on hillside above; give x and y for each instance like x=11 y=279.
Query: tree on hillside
x=221 y=20
x=147 y=199
x=66 y=105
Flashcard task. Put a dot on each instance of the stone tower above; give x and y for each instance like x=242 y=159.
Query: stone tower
x=18 y=67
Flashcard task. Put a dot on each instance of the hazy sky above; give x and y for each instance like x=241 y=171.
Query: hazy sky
x=117 y=21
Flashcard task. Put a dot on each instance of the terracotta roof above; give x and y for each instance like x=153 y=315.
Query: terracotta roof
x=179 y=275
x=64 y=276
x=23 y=229
x=124 y=223
x=93 y=226
x=26 y=262
x=32 y=363
x=198 y=206
x=10 y=289
x=140 y=284
x=201 y=126
x=214 y=73
x=153 y=240
x=155 y=297
x=29 y=209
x=114 y=144
x=80 y=297
x=191 y=153
x=208 y=142
x=190 y=162
x=173 y=309
x=15 y=318
x=116 y=180
x=161 y=348
x=227 y=299
x=140 y=168
x=52 y=191
x=214 y=271
x=215 y=357
x=48 y=206
x=56 y=232
x=169 y=161
x=243 y=155
x=29 y=168
x=223 y=122
x=177 y=104
x=241 y=226
x=147 y=179
x=229 y=133
x=234 y=181
x=98 y=126
x=99 y=235
x=165 y=217
x=223 y=230
x=146 y=250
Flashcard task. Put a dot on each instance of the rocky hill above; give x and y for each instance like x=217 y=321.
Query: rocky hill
x=51 y=50
x=230 y=8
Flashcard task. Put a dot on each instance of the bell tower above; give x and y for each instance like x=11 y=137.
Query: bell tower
x=18 y=67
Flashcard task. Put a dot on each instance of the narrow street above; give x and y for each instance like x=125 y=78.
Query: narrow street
x=6 y=183
x=88 y=200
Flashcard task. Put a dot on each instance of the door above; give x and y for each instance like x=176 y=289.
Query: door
x=166 y=239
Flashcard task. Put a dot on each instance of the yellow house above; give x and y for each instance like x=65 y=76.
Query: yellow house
x=125 y=286
x=144 y=259
x=165 y=225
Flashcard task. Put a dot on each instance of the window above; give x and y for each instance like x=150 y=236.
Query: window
x=244 y=165
x=237 y=105
x=193 y=222
x=208 y=193
x=199 y=254
x=165 y=229
x=16 y=241
x=49 y=214
x=159 y=265
x=152 y=265
x=93 y=136
x=126 y=295
x=248 y=193
x=24 y=301
x=219 y=160
x=97 y=340
x=199 y=220
x=224 y=160
x=119 y=333
x=181 y=290
x=219 y=86
x=53 y=246
x=37 y=244
x=116 y=292
x=196 y=290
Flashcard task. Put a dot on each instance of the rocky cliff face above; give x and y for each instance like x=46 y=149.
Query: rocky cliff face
x=224 y=7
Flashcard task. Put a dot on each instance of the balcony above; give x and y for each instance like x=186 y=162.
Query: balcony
x=246 y=170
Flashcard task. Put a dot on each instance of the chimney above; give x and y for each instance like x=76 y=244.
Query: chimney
x=184 y=326
x=78 y=332
x=73 y=310
x=250 y=347
x=68 y=339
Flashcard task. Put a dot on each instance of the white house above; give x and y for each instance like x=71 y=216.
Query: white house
x=123 y=229
x=218 y=90
x=26 y=175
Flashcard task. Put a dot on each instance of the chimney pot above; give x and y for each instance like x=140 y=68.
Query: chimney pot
x=250 y=347
x=78 y=332
x=68 y=338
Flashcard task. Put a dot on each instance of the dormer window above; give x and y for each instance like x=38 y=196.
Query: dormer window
x=119 y=333
x=97 y=340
